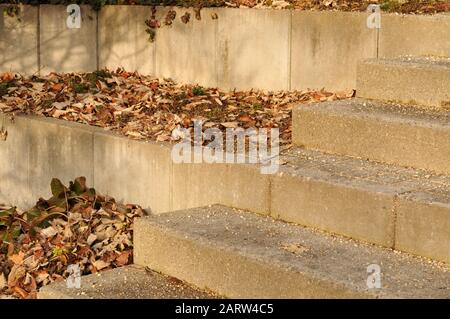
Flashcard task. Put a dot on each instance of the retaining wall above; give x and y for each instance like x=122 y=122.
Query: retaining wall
x=38 y=149
x=242 y=48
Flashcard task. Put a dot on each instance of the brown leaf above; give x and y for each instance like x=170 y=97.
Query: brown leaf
x=229 y=124
x=57 y=87
x=17 y=259
x=7 y=76
x=186 y=17
x=100 y=264
x=245 y=118
x=123 y=258
x=20 y=292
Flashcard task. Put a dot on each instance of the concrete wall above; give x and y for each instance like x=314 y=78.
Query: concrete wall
x=242 y=48
x=63 y=49
x=187 y=52
x=326 y=47
x=254 y=49
x=19 y=41
x=414 y=35
x=123 y=40
x=38 y=149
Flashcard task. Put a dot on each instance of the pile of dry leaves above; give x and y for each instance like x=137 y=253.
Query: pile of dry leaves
x=145 y=107
x=75 y=226
x=400 y=6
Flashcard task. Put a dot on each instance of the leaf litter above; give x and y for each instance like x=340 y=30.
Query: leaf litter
x=77 y=225
x=74 y=226
x=149 y=108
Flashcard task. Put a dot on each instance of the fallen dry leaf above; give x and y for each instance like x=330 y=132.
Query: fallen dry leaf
x=148 y=108
x=17 y=259
x=93 y=231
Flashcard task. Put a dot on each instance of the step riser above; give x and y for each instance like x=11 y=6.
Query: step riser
x=393 y=142
x=388 y=219
x=425 y=86
x=225 y=271
x=423 y=229
x=354 y=212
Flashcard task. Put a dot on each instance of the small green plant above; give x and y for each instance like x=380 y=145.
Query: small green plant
x=258 y=107
x=47 y=104
x=12 y=11
x=80 y=88
x=198 y=90
x=10 y=228
x=93 y=77
x=59 y=251
x=4 y=86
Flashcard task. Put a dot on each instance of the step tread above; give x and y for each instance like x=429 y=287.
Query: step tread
x=413 y=61
x=299 y=250
x=393 y=112
x=360 y=173
x=129 y=282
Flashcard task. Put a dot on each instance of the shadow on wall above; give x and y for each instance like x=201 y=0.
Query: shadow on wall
x=123 y=41
x=226 y=48
x=19 y=41
x=63 y=49
x=239 y=48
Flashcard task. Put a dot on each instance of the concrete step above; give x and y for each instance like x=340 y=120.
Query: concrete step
x=391 y=206
x=244 y=255
x=385 y=132
x=414 y=80
x=129 y=282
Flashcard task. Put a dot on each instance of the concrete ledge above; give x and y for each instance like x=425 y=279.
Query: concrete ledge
x=423 y=81
x=14 y=165
x=38 y=149
x=243 y=255
x=388 y=133
x=60 y=150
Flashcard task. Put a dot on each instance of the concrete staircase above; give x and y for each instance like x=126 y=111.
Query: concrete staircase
x=370 y=180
